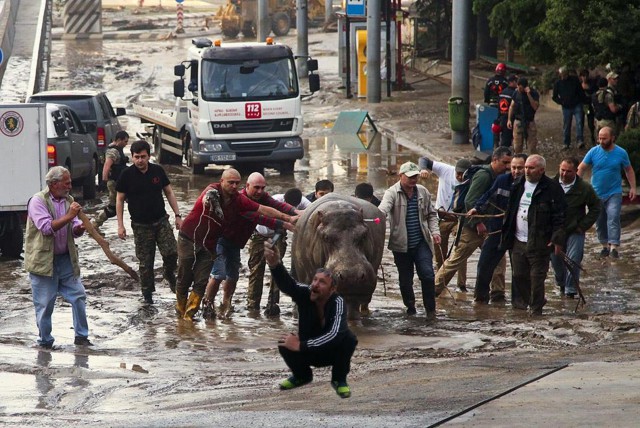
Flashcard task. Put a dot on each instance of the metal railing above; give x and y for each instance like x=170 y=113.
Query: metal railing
x=40 y=60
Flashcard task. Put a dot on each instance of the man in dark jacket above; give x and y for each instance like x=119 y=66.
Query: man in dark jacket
x=495 y=201
x=323 y=338
x=534 y=225
x=521 y=117
x=583 y=209
x=567 y=91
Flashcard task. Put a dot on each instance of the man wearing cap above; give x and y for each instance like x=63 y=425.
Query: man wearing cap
x=504 y=102
x=521 y=118
x=448 y=178
x=413 y=223
x=474 y=230
x=608 y=106
x=567 y=92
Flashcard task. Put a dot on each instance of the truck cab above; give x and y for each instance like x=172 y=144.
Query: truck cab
x=237 y=104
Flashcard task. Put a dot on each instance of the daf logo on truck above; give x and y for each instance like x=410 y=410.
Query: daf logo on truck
x=219 y=81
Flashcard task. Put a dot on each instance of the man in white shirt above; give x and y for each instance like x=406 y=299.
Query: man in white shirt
x=448 y=178
x=294 y=198
x=533 y=228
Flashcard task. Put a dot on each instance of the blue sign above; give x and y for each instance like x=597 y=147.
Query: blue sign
x=1 y=56
x=179 y=1
x=356 y=8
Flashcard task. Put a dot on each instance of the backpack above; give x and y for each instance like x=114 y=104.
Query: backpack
x=461 y=190
x=476 y=137
x=600 y=107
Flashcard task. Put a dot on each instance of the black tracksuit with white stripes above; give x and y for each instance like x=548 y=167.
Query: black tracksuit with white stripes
x=331 y=344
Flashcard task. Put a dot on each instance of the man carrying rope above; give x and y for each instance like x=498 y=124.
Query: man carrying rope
x=474 y=231
x=495 y=200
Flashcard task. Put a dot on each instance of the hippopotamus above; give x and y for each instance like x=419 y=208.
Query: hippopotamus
x=346 y=235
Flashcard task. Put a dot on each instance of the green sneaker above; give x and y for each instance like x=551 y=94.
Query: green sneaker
x=293 y=382
x=341 y=388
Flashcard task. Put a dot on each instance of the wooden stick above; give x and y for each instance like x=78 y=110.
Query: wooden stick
x=115 y=260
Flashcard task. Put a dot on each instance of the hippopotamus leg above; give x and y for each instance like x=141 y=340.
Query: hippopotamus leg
x=353 y=310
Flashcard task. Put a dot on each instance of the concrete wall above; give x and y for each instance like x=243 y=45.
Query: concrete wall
x=8 y=12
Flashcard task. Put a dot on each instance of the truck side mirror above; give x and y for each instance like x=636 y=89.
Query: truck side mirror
x=314 y=82
x=179 y=70
x=121 y=111
x=178 y=88
x=312 y=65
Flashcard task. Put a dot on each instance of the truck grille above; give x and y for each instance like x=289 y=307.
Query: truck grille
x=252 y=126
x=253 y=148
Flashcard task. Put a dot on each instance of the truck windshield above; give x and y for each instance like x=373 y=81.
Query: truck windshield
x=226 y=80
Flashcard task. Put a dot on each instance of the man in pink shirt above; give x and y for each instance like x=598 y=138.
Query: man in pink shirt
x=51 y=256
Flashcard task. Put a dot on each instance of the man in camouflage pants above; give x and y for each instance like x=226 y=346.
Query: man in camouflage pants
x=257 y=262
x=142 y=185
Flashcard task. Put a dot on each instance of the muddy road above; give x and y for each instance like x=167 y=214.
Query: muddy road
x=150 y=369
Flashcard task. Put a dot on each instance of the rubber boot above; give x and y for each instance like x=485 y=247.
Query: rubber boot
x=193 y=305
x=181 y=305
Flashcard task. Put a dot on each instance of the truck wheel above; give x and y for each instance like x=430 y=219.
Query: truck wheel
x=280 y=24
x=195 y=169
x=230 y=31
x=286 y=168
x=248 y=31
x=89 y=183
x=11 y=236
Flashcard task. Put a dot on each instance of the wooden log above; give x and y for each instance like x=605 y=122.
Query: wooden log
x=105 y=246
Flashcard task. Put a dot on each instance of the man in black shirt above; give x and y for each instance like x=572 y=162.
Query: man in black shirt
x=142 y=185
x=323 y=338
x=568 y=93
x=521 y=117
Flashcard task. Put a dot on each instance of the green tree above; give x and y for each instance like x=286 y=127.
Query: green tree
x=516 y=22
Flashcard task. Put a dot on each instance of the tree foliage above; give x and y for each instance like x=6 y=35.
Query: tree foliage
x=578 y=33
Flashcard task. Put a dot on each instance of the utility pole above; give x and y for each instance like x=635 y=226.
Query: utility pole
x=263 y=29
x=328 y=10
x=303 y=37
x=373 y=51
x=461 y=18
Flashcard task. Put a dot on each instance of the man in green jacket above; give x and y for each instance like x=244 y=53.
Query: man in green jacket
x=583 y=208
x=474 y=231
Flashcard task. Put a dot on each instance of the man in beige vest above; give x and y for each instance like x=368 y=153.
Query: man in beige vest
x=51 y=256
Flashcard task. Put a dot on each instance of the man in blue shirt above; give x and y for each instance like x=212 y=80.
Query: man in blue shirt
x=607 y=160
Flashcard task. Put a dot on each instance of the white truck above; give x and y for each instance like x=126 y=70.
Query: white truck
x=243 y=108
x=23 y=166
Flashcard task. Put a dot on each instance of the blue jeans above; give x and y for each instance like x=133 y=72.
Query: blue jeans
x=227 y=263
x=45 y=290
x=608 y=223
x=575 y=251
x=567 y=114
x=421 y=257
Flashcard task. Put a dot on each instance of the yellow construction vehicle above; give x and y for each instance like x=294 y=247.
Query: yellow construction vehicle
x=241 y=16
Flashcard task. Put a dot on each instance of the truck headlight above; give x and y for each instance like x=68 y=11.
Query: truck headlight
x=292 y=144
x=210 y=147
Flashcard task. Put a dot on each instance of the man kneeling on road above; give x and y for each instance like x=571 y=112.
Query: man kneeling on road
x=323 y=338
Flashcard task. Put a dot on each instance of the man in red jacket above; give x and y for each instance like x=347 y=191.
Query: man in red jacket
x=218 y=210
x=227 y=265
